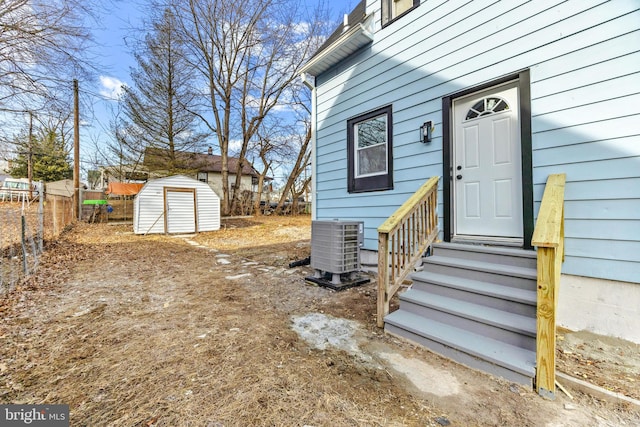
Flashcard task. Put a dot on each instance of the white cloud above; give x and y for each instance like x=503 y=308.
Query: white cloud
x=235 y=145
x=111 y=87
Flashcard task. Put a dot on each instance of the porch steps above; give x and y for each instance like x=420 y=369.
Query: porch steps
x=476 y=305
x=503 y=255
x=486 y=271
x=492 y=356
x=507 y=298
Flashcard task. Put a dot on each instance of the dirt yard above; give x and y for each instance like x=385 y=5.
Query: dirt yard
x=216 y=330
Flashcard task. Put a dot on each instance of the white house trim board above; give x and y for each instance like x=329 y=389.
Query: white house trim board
x=353 y=34
x=351 y=40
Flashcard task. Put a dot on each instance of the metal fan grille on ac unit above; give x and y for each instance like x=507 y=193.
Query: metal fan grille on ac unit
x=335 y=246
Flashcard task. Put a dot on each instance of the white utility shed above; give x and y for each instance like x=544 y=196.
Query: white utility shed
x=176 y=204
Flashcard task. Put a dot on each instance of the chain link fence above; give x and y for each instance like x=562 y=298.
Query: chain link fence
x=27 y=220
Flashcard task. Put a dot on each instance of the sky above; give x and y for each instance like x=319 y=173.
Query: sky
x=116 y=61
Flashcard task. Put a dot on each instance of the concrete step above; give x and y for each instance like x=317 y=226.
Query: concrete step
x=511 y=328
x=474 y=350
x=507 y=298
x=494 y=254
x=499 y=274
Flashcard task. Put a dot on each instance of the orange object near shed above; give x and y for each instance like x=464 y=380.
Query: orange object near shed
x=123 y=188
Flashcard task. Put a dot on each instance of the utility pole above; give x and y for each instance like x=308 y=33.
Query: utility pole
x=76 y=151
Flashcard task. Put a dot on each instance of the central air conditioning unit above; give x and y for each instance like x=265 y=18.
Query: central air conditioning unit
x=335 y=252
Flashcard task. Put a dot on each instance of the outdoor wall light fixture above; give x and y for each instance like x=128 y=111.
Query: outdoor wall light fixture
x=426 y=130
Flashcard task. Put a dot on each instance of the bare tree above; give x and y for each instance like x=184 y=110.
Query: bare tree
x=158 y=110
x=124 y=153
x=297 y=182
x=297 y=152
x=116 y=149
x=272 y=146
x=43 y=45
x=248 y=53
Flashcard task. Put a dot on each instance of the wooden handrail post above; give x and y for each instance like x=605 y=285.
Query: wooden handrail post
x=383 y=278
x=546 y=323
x=548 y=237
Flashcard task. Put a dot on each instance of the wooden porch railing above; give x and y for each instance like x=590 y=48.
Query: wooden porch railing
x=548 y=237
x=402 y=240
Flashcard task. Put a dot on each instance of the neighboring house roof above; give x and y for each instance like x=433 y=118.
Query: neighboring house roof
x=343 y=42
x=159 y=159
x=120 y=173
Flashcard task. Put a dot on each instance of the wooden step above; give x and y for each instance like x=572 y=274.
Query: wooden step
x=474 y=350
x=507 y=298
x=500 y=274
x=497 y=324
x=494 y=254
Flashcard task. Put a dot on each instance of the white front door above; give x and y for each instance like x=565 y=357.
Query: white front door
x=487 y=172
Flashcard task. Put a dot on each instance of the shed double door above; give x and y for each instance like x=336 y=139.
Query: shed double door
x=180 y=208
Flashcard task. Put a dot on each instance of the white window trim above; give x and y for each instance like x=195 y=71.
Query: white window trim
x=358 y=150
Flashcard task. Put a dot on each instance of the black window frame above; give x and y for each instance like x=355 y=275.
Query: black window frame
x=387 y=19
x=380 y=182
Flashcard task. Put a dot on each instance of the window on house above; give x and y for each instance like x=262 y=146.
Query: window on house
x=369 y=151
x=202 y=177
x=392 y=9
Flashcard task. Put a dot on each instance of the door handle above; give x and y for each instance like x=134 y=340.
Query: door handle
x=458 y=177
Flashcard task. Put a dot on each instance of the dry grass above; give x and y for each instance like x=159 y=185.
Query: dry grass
x=152 y=331
x=237 y=233
x=132 y=330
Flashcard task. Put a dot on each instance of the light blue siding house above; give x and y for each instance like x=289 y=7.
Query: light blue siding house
x=492 y=97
